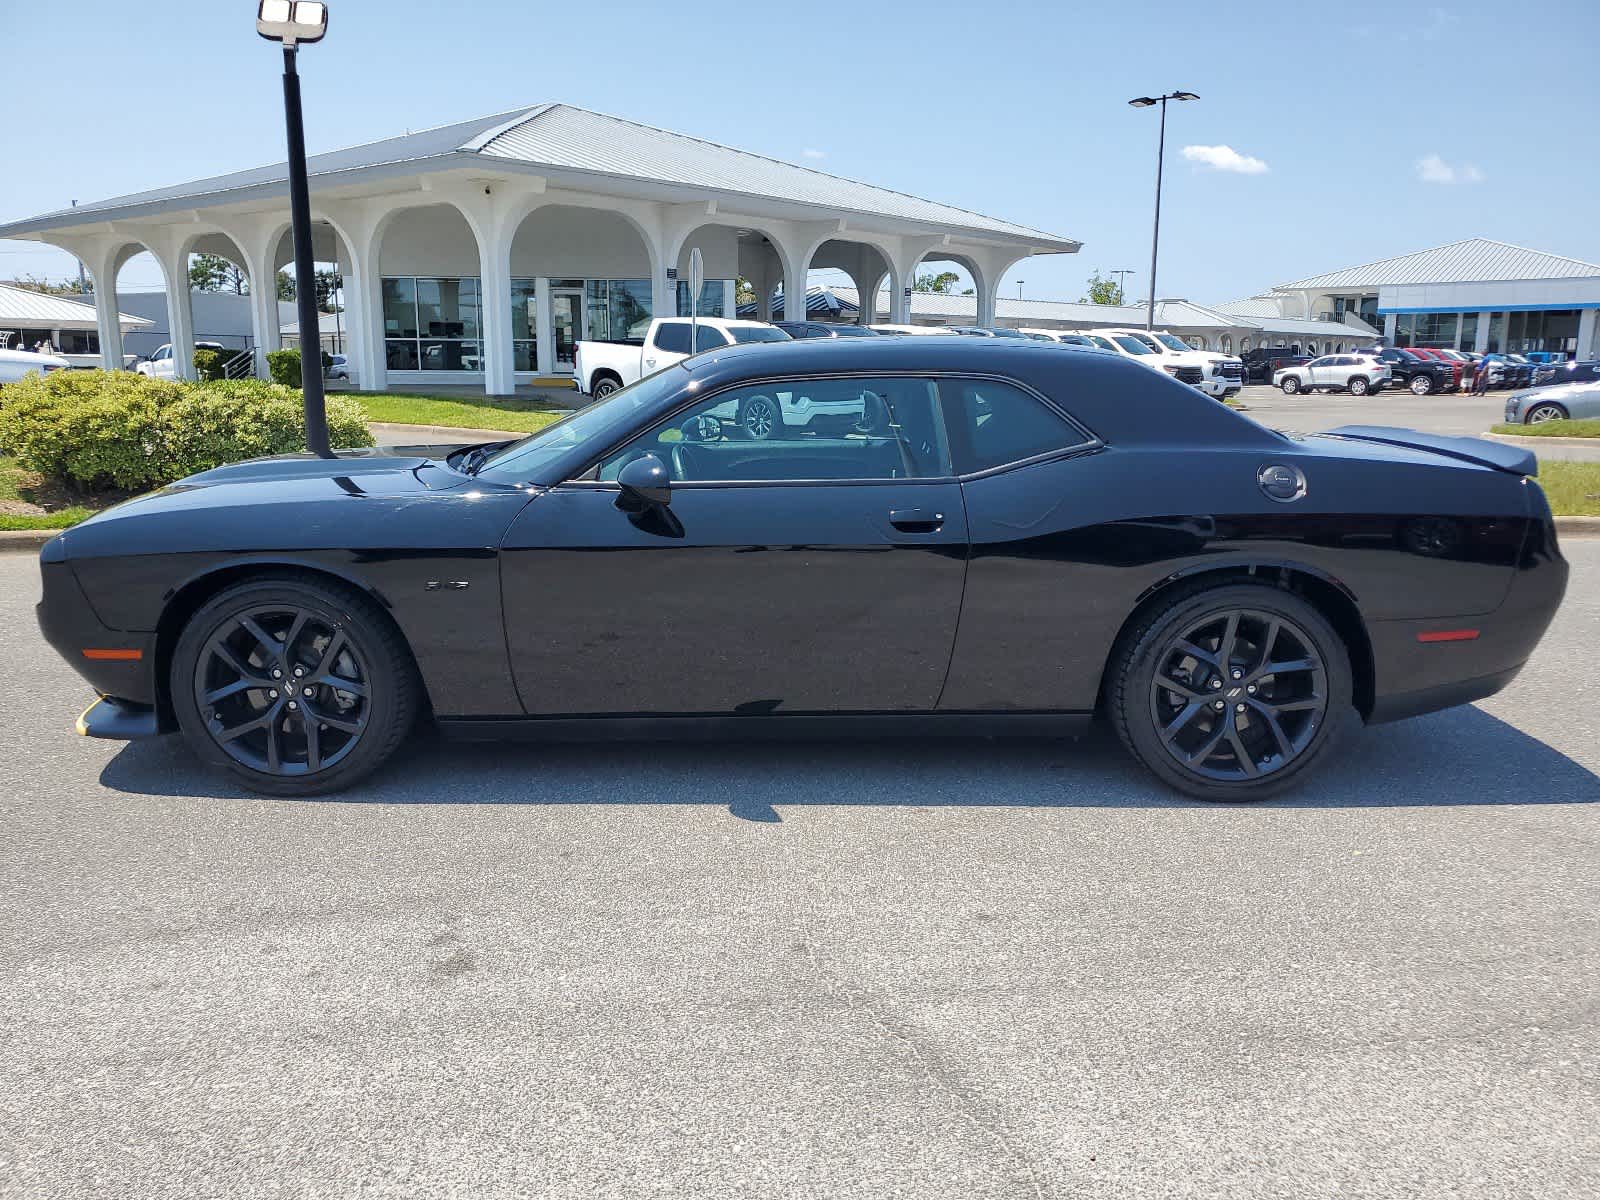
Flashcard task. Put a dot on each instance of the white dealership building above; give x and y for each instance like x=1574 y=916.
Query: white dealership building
x=480 y=252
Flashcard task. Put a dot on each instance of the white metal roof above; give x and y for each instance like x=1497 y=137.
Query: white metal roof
x=1475 y=260
x=1170 y=314
x=1255 y=306
x=573 y=146
x=36 y=310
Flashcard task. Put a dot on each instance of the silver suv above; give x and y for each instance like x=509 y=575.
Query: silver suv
x=1357 y=374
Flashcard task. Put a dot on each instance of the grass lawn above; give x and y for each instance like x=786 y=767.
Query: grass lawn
x=511 y=413
x=1573 y=487
x=26 y=502
x=1589 y=427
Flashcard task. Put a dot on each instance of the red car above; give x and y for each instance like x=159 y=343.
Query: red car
x=1441 y=356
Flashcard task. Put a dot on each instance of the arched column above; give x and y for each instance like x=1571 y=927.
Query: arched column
x=103 y=258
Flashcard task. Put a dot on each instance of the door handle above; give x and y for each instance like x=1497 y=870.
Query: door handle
x=649 y=362
x=916 y=520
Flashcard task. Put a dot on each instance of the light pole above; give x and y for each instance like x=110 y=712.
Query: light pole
x=293 y=22
x=1161 y=154
x=1122 y=274
x=1020 y=282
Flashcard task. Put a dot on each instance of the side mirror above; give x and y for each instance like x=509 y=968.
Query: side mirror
x=704 y=428
x=646 y=484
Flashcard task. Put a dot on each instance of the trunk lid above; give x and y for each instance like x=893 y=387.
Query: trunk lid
x=1514 y=460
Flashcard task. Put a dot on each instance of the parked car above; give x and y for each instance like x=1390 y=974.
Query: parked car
x=910 y=330
x=1535 y=406
x=14 y=364
x=1262 y=362
x=1567 y=372
x=1515 y=371
x=160 y=366
x=600 y=368
x=1064 y=337
x=1217 y=375
x=1444 y=356
x=822 y=329
x=1419 y=375
x=984 y=331
x=339 y=367
x=1358 y=374
x=1021 y=540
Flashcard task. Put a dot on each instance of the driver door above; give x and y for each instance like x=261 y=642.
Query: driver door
x=809 y=572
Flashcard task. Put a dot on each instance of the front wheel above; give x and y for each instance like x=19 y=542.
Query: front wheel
x=1290 y=385
x=1540 y=413
x=296 y=686
x=1231 y=691
x=1359 y=386
x=1421 y=385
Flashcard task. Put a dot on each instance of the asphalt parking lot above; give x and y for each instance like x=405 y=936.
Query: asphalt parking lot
x=953 y=969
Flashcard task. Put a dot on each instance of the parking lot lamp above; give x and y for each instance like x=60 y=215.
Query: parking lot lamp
x=293 y=22
x=1161 y=154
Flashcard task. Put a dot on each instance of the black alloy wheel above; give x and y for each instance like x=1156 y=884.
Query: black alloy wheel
x=606 y=387
x=760 y=418
x=1231 y=692
x=297 y=686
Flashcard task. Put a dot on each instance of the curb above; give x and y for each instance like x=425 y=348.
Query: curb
x=24 y=540
x=1533 y=443
x=448 y=433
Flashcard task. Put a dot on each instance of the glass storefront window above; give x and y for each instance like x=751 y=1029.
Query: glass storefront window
x=711 y=297
x=1405 y=328
x=1469 y=331
x=432 y=324
x=1435 y=330
x=1497 y=332
x=618 y=308
x=524 y=325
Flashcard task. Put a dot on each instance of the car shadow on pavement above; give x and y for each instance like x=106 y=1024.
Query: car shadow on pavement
x=1460 y=757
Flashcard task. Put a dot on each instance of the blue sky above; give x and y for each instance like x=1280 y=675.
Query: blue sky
x=1337 y=133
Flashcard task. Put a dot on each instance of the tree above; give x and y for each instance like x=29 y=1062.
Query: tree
x=940 y=283
x=67 y=287
x=744 y=292
x=285 y=286
x=329 y=285
x=213 y=273
x=1103 y=291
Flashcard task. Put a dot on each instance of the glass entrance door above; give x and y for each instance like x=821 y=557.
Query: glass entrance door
x=566 y=320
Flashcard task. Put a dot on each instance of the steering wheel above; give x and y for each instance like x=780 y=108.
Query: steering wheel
x=680 y=470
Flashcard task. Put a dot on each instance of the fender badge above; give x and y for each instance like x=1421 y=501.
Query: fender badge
x=446 y=585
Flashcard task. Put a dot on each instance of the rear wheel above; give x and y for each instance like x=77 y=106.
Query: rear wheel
x=295 y=686
x=1421 y=385
x=1359 y=386
x=605 y=386
x=760 y=419
x=1232 y=691
x=1290 y=385
x=1548 y=411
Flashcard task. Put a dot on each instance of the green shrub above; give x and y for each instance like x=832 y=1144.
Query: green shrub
x=284 y=366
x=213 y=364
x=115 y=429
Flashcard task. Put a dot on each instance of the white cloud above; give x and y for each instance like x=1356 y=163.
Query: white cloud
x=1225 y=158
x=1434 y=169
x=815 y=153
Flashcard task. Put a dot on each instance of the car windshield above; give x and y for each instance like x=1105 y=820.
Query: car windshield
x=758 y=333
x=1132 y=344
x=1010 y=333
x=1103 y=343
x=1171 y=342
x=853 y=331
x=602 y=421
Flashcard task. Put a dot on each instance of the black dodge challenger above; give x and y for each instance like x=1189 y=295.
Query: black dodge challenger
x=977 y=535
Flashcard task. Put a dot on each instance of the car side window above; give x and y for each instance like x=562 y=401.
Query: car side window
x=673 y=337
x=707 y=338
x=993 y=423
x=804 y=429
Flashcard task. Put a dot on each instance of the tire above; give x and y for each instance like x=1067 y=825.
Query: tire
x=1317 y=697
x=335 y=633
x=1420 y=385
x=760 y=418
x=1359 y=386
x=1290 y=385
x=1547 y=410
x=605 y=385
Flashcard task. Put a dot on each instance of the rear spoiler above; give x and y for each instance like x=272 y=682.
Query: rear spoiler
x=1499 y=455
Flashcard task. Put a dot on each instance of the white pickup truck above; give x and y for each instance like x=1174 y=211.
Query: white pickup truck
x=1217 y=375
x=601 y=368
